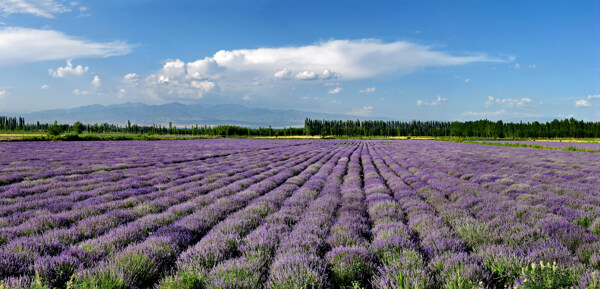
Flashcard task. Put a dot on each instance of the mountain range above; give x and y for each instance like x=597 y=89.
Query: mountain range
x=181 y=115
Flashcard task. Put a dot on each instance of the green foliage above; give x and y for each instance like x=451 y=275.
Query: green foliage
x=595 y=226
x=77 y=127
x=543 y=276
x=184 y=280
x=54 y=130
x=349 y=270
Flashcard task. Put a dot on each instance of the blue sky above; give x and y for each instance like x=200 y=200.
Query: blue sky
x=443 y=60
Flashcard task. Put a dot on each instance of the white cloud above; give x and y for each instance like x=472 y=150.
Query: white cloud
x=349 y=59
x=508 y=102
x=3 y=93
x=531 y=66
x=122 y=93
x=96 y=82
x=45 y=86
x=130 y=77
x=173 y=69
x=284 y=73
x=593 y=96
x=582 y=103
x=202 y=68
x=233 y=72
x=335 y=90
x=175 y=79
x=502 y=113
x=204 y=86
x=485 y=114
x=364 y=111
x=306 y=75
x=82 y=92
x=437 y=101
x=68 y=70
x=517 y=66
x=368 y=90
x=20 y=45
x=467 y=79
x=42 y=8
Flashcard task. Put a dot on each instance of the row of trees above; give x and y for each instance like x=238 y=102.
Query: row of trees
x=14 y=124
x=570 y=128
x=351 y=128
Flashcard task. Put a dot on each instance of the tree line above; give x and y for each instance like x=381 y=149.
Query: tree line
x=566 y=128
x=17 y=124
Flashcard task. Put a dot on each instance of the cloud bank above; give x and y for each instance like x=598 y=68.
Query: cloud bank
x=21 y=45
x=244 y=71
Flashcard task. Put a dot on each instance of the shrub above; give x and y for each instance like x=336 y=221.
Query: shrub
x=235 y=274
x=350 y=265
x=402 y=273
x=54 y=129
x=543 y=275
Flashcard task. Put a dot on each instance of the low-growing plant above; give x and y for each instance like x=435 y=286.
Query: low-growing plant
x=402 y=273
x=235 y=274
x=352 y=264
x=543 y=276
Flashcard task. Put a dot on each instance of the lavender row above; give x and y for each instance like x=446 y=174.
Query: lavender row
x=182 y=234
x=129 y=232
x=206 y=262
x=258 y=249
x=488 y=239
x=110 y=197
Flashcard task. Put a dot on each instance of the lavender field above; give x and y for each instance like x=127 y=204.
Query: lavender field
x=297 y=214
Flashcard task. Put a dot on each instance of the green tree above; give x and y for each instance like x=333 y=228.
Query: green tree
x=54 y=129
x=77 y=127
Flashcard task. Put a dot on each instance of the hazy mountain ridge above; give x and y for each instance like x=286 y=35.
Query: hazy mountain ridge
x=181 y=114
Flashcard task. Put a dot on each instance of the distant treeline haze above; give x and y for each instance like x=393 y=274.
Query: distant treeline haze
x=567 y=128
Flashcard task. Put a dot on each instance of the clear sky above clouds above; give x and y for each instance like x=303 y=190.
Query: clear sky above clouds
x=443 y=60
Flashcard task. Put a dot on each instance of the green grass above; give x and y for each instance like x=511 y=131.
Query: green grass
x=520 y=145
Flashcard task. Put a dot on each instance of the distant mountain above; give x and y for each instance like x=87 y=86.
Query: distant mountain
x=180 y=115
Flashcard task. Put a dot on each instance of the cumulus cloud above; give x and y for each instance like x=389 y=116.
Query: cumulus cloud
x=21 y=45
x=306 y=75
x=349 y=59
x=583 y=103
x=284 y=73
x=467 y=79
x=41 y=8
x=68 y=71
x=367 y=90
x=508 y=102
x=176 y=79
x=335 y=90
x=364 y=111
x=202 y=68
x=517 y=66
x=96 y=82
x=236 y=71
x=3 y=93
x=531 y=66
x=45 y=86
x=437 y=101
x=204 y=86
x=130 y=77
